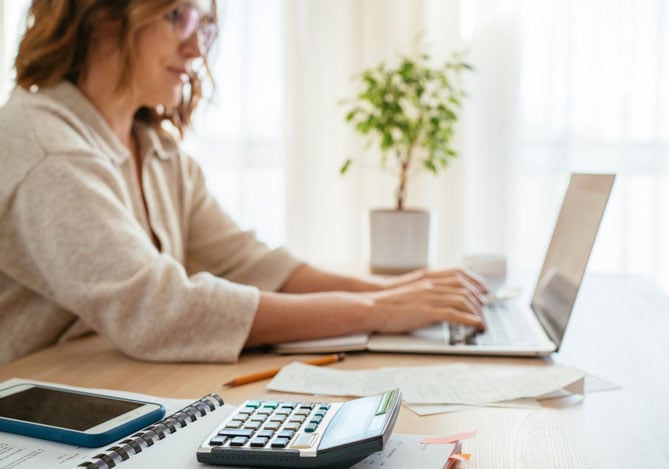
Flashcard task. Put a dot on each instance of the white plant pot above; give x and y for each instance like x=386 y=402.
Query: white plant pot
x=399 y=240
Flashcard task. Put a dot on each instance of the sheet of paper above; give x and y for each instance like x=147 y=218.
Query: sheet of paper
x=309 y=379
x=444 y=384
x=432 y=409
x=597 y=384
x=403 y=451
x=179 y=451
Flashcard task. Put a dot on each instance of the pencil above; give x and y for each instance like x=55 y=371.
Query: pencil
x=260 y=375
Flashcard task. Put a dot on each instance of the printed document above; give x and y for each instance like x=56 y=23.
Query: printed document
x=442 y=384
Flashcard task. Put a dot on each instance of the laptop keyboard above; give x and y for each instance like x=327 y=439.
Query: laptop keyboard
x=505 y=324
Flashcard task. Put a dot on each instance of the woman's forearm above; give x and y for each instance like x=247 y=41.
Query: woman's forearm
x=309 y=279
x=283 y=317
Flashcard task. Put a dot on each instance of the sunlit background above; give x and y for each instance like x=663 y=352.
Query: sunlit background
x=557 y=87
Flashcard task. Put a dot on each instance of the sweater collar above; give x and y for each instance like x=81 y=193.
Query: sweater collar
x=149 y=141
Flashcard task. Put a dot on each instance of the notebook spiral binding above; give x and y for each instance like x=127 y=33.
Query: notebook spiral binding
x=150 y=435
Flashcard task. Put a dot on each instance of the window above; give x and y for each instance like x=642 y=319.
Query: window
x=238 y=136
x=12 y=21
x=592 y=98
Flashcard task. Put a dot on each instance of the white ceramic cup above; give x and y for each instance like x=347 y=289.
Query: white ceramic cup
x=492 y=267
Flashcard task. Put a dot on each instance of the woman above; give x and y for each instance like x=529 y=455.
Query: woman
x=107 y=226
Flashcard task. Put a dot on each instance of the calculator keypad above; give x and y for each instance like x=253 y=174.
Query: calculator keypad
x=273 y=425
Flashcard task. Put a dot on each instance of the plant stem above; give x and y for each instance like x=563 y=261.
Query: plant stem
x=405 y=164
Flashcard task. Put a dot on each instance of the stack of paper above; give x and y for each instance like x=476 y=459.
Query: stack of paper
x=425 y=387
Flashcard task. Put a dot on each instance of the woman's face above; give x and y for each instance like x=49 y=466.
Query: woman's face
x=166 y=51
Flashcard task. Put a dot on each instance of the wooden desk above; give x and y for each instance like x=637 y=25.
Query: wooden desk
x=623 y=428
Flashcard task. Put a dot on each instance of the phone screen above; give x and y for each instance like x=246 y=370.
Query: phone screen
x=60 y=408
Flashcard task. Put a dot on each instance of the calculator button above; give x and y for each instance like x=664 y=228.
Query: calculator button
x=286 y=434
x=292 y=426
x=253 y=404
x=304 y=440
x=238 y=441
x=310 y=427
x=266 y=433
x=280 y=442
x=272 y=425
x=234 y=432
x=218 y=440
x=271 y=404
x=306 y=406
x=259 y=442
x=253 y=425
x=316 y=420
x=234 y=424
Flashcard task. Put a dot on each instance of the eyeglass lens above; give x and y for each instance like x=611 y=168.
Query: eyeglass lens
x=187 y=20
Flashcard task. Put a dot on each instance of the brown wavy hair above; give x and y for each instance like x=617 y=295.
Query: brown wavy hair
x=59 y=32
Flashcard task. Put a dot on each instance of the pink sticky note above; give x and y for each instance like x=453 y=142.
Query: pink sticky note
x=441 y=440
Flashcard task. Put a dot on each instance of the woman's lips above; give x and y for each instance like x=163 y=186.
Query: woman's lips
x=181 y=73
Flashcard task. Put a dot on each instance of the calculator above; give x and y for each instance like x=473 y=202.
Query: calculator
x=302 y=434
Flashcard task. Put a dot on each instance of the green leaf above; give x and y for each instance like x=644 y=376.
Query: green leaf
x=345 y=166
x=408 y=110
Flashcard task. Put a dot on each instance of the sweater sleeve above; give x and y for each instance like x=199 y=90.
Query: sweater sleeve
x=216 y=244
x=79 y=246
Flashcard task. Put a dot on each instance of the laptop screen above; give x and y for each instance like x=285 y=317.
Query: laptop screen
x=569 y=251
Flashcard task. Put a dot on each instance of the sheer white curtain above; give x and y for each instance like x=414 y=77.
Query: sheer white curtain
x=558 y=87
x=594 y=96
x=327 y=42
x=238 y=133
x=12 y=22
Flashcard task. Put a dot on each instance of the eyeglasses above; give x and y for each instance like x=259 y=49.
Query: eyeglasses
x=186 y=20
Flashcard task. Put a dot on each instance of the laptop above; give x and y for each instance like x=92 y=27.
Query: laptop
x=536 y=329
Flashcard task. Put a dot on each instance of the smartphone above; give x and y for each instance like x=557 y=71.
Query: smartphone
x=72 y=416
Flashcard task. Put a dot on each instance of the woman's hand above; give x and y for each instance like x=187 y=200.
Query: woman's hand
x=421 y=298
x=453 y=277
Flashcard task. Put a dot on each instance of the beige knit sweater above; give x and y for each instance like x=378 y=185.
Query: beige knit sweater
x=76 y=244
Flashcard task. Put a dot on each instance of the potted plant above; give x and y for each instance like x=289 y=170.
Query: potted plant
x=408 y=111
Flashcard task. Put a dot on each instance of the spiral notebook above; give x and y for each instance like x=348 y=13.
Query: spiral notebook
x=171 y=442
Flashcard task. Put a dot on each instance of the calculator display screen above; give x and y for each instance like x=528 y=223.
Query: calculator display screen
x=351 y=422
x=60 y=408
